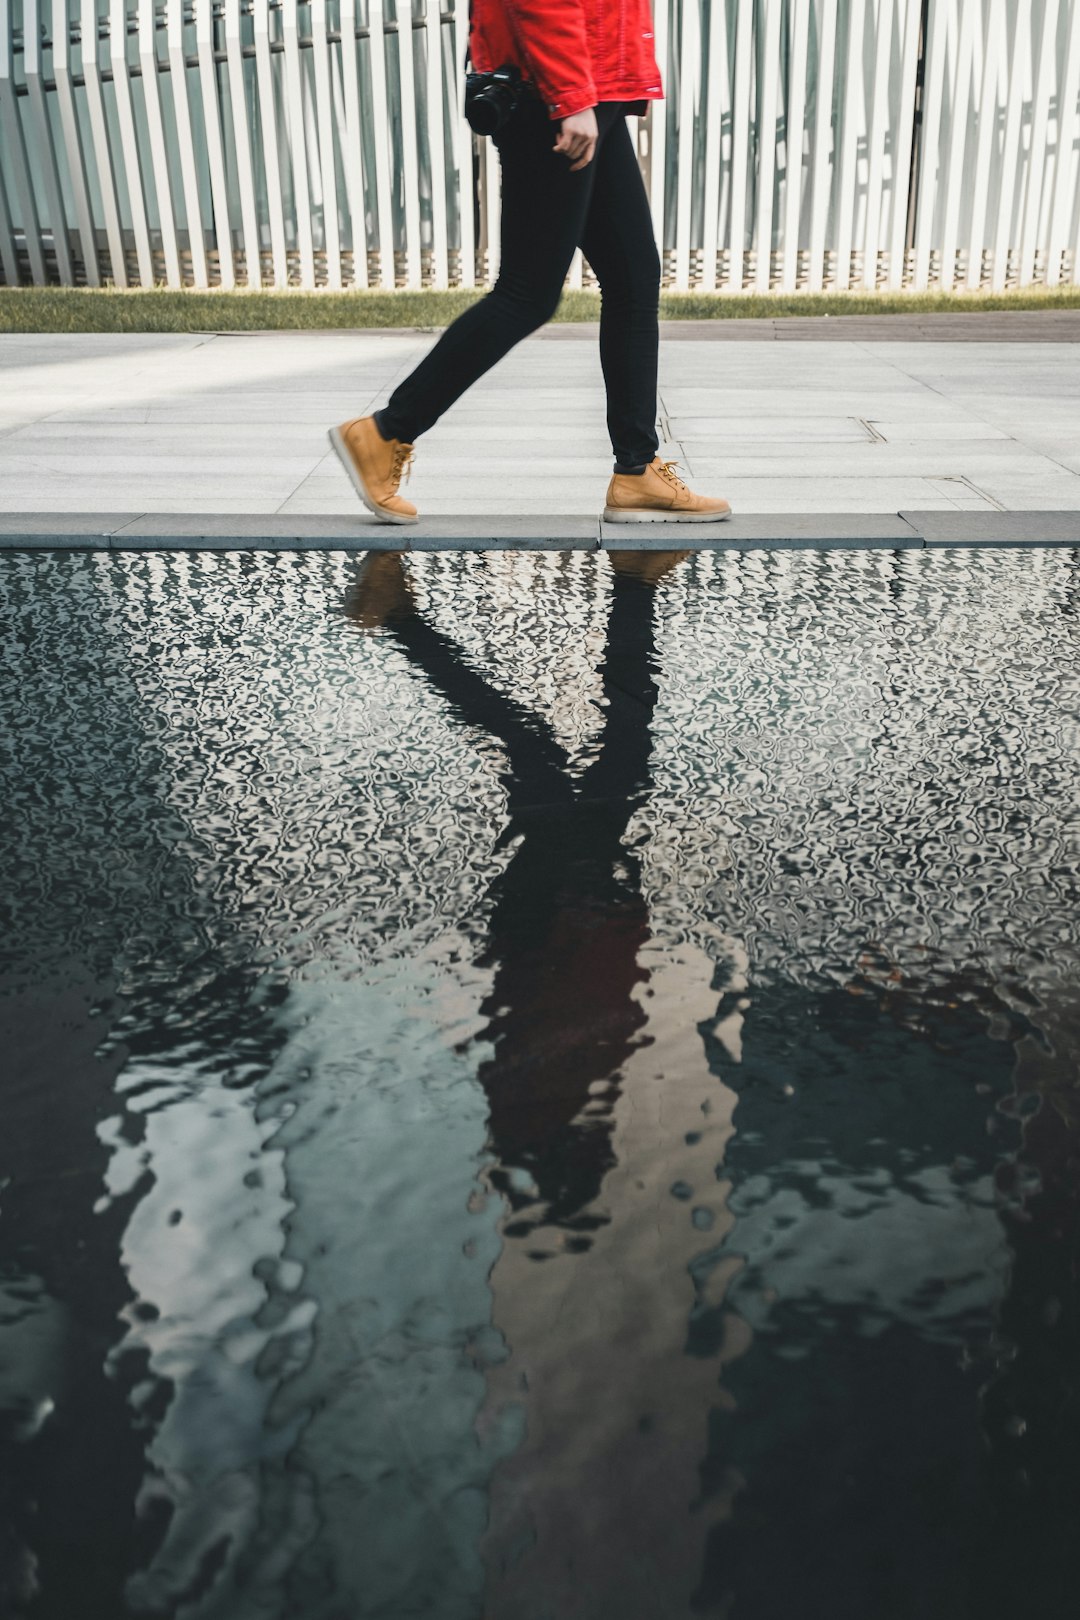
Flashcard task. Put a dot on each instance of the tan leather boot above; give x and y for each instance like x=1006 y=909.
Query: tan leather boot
x=658 y=496
x=375 y=466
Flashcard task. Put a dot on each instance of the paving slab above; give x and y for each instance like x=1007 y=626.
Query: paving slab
x=211 y=424
x=996 y=528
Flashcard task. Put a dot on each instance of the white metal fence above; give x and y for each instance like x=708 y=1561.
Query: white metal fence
x=803 y=144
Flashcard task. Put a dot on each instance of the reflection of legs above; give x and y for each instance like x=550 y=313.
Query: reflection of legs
x=543 y=210
x=382 y=598
x=618 y=242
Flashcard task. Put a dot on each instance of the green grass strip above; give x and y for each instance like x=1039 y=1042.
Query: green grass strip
x=160 y=309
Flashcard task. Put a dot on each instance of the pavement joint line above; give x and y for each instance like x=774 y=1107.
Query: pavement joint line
x=904 y=530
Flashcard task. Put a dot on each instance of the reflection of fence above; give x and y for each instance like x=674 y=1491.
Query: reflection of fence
x=937 y=143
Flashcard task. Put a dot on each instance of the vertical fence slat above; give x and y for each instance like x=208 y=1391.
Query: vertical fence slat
x=822 y=185
x=99 y=137
x=970 y=16
x=45 y=151
x=182 y=113
x=909 y=45
x=73 y=149
x=657 y=128
x=489 y=158
x=440 y=274
x=268 y=128
x=1036 y=164
x=793 y=145
x=463 y=154
x=1018 y=59
x=245 y=175
x=929 y=148
x=11 y=132
x=740 y=146
x=717 y=108
x=129 y=147
x=8 y=256
x=352 y=142
x=324 y=123
x=849 y=144
x=768 y=100
x=407 y=103
x=297 y=133
x=204 y=46
x=381 y=118
x=158 y=154
x=878 y=125
x=690 y=57
x=1065 y=173
x=986 y=126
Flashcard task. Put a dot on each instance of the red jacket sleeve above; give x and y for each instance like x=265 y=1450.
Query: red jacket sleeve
x=554 y=41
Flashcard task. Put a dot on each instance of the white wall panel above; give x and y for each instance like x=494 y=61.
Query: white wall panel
x=809 y=144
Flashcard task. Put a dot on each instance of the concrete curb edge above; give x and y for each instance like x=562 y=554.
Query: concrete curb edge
x=67 y=531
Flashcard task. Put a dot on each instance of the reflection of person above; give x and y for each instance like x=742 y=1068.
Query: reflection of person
x=568 y=918
x=587 y=65
x=603 y=1117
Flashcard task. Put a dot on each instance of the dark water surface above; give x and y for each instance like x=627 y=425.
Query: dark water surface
x=540 y=1086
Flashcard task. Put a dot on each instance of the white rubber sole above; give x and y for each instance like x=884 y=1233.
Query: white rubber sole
x=334 y=435
x=616 y=514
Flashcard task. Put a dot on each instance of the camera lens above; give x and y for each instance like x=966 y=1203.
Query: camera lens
x=485 y=114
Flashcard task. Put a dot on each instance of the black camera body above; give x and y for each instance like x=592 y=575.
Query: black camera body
x=490 y=98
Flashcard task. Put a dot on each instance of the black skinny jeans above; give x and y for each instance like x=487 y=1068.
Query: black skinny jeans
x=547 y=212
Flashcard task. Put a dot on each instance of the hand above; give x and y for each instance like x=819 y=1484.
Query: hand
x=577 y=138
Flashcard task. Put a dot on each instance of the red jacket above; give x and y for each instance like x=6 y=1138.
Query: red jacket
x=576 y=52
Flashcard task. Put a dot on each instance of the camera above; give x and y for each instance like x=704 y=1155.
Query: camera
x=490 y=98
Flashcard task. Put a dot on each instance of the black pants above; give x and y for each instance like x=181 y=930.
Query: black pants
x=547 y=212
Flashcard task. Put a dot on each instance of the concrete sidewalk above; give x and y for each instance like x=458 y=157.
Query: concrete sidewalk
x=115 y=430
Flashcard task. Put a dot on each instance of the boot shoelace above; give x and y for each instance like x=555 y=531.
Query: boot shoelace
x=667 y=470
x=402 y=463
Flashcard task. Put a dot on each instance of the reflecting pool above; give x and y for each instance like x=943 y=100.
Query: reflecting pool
x=540 y=1087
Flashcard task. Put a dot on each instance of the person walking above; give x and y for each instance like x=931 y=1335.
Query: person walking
x=570 y=178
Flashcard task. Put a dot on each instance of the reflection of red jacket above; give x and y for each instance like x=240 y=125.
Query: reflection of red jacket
x=576 y=52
